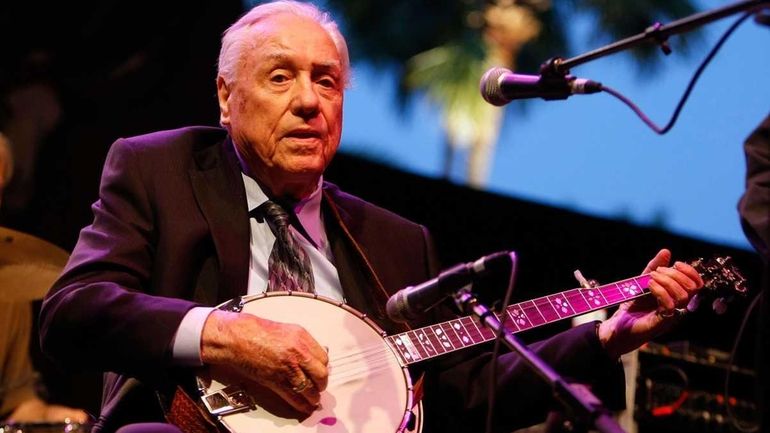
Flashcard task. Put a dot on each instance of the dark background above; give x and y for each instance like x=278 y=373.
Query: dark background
x=125 y=68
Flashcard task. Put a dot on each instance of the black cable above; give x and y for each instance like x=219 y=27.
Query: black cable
x=745 y=427
x=496 y=350
x=690 y=86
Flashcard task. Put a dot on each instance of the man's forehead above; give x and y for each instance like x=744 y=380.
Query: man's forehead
x=278 y=38
x=279 y=55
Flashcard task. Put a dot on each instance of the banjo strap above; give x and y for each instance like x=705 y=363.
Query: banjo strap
x=188 y=416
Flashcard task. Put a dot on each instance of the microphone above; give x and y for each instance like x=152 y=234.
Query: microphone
x=500 y=86
x=409 y=303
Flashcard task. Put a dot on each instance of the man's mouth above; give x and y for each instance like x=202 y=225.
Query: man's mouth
x=304 y=133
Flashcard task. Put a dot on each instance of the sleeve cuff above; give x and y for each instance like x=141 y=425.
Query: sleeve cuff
x=186 y=349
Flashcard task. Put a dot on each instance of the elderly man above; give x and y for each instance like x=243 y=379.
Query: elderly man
x=190 y=218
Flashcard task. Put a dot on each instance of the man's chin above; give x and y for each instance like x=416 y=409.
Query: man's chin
x=305 y=166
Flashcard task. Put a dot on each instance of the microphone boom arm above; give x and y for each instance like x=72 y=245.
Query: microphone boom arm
x=657 y=32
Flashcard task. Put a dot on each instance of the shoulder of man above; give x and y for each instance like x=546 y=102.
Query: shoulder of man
x=170 y=154
x=357 y=208
x=193 y=136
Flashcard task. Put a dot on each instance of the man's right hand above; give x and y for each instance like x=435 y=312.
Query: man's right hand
x=279 y=356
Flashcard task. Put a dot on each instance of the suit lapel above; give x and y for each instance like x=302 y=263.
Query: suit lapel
x=220 y=193
x=347 y=262
x=360 y=282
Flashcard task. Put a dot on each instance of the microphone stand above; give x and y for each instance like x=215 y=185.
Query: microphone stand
x=586 y=408
x=657 y=32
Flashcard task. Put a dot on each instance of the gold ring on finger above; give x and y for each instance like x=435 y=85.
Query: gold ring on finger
x=678 y=312
x=301 y=387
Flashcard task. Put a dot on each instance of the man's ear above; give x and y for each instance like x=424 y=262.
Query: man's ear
x=223 y=95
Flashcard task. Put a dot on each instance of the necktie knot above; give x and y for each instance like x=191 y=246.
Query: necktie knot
x=275 y=216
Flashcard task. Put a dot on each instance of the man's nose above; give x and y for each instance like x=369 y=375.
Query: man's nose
x=306 y=101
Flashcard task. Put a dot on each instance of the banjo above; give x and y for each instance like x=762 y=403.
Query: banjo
x=369 y=388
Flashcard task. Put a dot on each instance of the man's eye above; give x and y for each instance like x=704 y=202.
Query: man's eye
x=279 y=78
x=328 y=82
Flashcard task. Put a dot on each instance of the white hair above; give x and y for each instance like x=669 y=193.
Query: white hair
x=235 y=37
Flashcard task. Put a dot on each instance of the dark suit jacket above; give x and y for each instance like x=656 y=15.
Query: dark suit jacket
x=754 y=206
x=171 y=232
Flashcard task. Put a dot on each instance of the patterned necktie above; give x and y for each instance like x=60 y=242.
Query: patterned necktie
x=289 y=266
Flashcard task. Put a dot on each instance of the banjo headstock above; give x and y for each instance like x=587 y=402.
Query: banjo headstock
x=722 y=280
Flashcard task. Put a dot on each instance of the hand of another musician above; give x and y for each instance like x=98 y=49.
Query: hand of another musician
x=280 y=356
x=36 y=410
x=640 y=320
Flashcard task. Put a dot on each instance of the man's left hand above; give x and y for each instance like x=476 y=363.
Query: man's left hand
x=640 y=320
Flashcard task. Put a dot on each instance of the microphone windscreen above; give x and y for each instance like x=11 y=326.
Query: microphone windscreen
x=490 y=86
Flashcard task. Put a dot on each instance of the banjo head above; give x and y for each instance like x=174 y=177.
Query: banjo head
x=369 y=386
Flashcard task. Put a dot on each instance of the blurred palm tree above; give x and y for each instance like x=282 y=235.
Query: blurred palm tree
x=441 y=49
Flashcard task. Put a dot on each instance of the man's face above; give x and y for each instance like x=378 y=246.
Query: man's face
x=284 y=108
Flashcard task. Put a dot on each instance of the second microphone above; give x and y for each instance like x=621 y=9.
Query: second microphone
x=409 y=303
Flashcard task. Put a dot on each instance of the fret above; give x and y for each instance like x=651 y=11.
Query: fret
x=462 y=333
x=533 y=313
x=452 y=334
x=434 y=340
x=486 y=333
x=577 y=301
x=444 y=340
x=404 y=345
x=392 y=341
x=547 y=309
x=594 y=298
x=507 y=319
x=612 y=293
x=519 y=317
x=415 y=354
x=473 y=330
x=422 y=337
x=643 y=281
x=630 y=288
x=582 y=295
x=419 y=345
x=601 y=292
x=561 y=305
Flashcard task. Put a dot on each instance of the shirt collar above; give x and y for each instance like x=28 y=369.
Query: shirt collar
x=308 y=210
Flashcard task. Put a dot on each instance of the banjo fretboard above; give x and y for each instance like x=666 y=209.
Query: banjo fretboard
x=434 y=340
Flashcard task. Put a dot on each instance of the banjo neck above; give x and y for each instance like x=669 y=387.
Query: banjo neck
x=435 y=340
